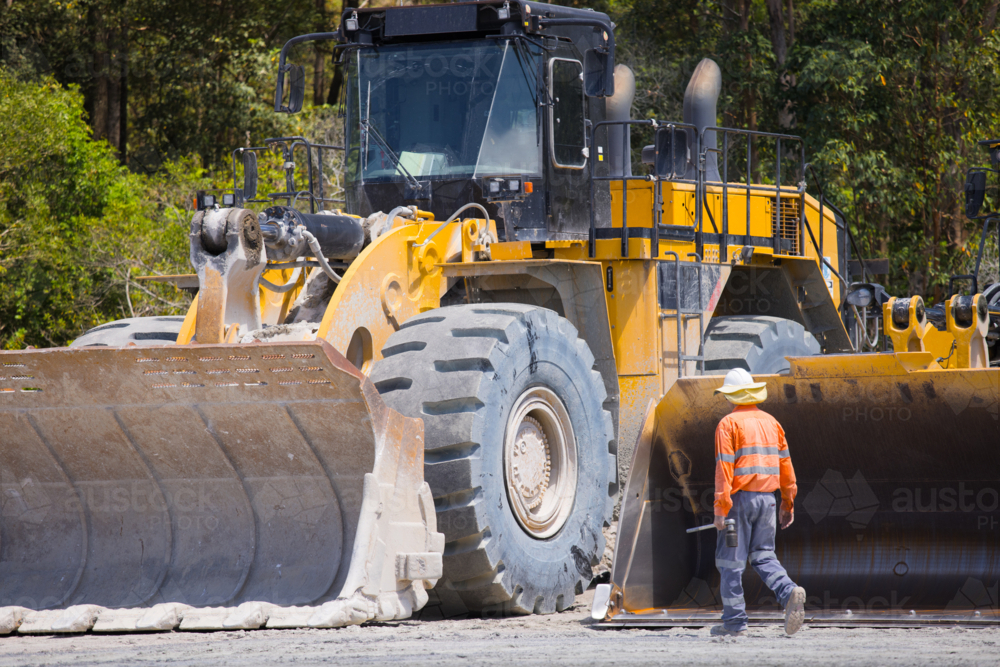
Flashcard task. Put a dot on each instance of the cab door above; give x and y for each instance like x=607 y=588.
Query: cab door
x=568 y=207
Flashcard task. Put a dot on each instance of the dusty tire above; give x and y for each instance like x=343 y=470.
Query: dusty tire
x=142 y=331
x=992 y=295
x=465 y=370
x=755 y=343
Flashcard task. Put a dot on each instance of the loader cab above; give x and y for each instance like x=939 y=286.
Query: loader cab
x=453 y=104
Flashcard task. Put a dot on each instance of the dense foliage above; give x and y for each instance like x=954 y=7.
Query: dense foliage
x=891 y=98
x=75 y=226
x=112 y=112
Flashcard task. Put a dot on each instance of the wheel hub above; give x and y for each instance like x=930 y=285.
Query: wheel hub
x=540 y=462
x=531 y=462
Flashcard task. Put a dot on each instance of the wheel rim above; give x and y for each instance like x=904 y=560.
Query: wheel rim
x=540 y=462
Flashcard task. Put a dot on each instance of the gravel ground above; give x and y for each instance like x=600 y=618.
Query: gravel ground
x=568 y=638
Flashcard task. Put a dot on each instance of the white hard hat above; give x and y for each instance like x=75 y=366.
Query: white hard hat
x=736 y=380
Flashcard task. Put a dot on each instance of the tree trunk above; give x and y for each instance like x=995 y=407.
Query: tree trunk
x=731 y=14
x=781 y=42
x=123 y=59
x=338 y=83
x=107 y=99
x=113 y=83
x=791 y=24
x=749 y=98
x=775 y=12
x=989 y=18
x=338 y=71
x=319 y=87
x=319 y=57
x=99 y=84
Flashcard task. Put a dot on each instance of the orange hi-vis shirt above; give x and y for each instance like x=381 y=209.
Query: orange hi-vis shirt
x=751 y=454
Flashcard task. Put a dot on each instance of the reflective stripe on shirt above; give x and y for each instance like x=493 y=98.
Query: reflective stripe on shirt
x=751 y=454
x=757 y=470
x=764 y=451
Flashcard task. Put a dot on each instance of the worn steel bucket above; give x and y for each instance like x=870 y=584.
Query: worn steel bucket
x=897 y=516
x=210 y=476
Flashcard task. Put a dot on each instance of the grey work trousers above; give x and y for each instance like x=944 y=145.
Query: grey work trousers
x=756 y=520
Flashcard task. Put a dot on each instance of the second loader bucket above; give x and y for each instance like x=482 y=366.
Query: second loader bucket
x=206 y=487
x=897 y=518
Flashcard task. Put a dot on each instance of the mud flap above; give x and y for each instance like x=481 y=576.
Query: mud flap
x=897 y=515
x=225 y=486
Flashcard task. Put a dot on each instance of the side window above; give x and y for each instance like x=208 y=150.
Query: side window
x=568 y=134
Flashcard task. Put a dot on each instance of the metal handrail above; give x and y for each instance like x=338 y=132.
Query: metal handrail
x=701 y=183
x=678 y=315
x=592 y=234
x=657 y=204
x=288 y=146
x=749 y=187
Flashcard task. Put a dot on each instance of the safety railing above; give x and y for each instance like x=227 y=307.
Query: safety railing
x=678 y=155
x=779 y=233
x=674 y=161
x=315 y=191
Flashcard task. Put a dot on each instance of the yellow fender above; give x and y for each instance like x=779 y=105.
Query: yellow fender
x=390 y=282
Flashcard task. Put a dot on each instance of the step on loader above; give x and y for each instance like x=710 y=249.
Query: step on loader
x=423 y=397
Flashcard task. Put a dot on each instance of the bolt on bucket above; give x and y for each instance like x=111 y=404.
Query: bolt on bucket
x=897 y=516
x=205 y=478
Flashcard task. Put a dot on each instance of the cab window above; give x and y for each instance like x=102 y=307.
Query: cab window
x=568 y=133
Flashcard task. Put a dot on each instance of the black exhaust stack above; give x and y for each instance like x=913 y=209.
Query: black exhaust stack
x=700 y=110
x=619 y=108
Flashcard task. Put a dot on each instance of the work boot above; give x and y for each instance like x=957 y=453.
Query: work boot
x=795 y=610
x=722 y=631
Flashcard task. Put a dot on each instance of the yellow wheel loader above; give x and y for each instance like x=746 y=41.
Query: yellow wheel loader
x=428 y=395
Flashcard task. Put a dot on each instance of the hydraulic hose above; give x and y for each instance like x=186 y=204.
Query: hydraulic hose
x=318 y=254
x=451 y=219
x=287 y=287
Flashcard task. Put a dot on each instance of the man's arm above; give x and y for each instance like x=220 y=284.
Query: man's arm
x=789 y=488
x=725 y=460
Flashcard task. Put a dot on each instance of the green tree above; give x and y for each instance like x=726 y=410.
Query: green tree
x=163 y=79
x=889 y=96
x=75 y=226
x=892 y=98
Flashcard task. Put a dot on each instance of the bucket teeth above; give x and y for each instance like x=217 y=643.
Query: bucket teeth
x=124 y=620
x=11 y=618
x=338 y=613
x=206 y=618
x=164 y=616
x=39 y=622
x=248 y=616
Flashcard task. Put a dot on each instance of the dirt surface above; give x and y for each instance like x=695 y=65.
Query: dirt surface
x=569 y=638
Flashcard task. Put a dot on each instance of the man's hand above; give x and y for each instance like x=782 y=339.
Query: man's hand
x=720 y=522
x=784 y=516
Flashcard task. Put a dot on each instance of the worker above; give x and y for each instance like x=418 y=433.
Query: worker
x=752 y=462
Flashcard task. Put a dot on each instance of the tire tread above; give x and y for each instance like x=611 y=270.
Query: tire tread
x=463 y=347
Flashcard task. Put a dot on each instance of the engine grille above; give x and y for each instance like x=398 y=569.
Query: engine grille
x=786 y=220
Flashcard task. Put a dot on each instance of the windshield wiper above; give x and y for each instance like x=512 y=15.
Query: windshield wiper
x=369 y=130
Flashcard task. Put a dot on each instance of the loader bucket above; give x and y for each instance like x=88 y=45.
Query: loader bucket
x=897 y=519
x=207 y=477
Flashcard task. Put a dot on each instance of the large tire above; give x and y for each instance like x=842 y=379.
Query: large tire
x=992 y=295
x=143 y=331
x=466 y=370
x=755 y=343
